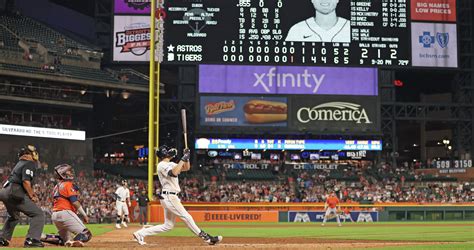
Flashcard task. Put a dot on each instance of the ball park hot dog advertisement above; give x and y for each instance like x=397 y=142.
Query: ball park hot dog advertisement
x=249 y=111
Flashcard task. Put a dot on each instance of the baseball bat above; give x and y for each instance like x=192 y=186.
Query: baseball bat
x=184 y=122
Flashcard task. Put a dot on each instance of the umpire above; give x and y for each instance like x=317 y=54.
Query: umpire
x=18 y=196
x=142 y=200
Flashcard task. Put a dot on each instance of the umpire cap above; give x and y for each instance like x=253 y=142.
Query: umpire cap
x=166 y=152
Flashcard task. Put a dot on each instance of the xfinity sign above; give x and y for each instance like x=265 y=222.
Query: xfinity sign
x=300 y=80
x=334 y=111
x=271 y=79
x=335 y=114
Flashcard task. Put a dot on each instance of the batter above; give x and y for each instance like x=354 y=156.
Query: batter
x=168 y=174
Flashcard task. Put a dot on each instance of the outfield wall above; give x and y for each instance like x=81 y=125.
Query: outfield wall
x=313 y=212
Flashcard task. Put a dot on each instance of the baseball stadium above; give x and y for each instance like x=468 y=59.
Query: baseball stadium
x=237 y=124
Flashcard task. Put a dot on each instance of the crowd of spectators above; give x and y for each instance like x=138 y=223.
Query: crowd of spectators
x=44 y=91
x=374 y=185
x=197 y=190
x=37 y=120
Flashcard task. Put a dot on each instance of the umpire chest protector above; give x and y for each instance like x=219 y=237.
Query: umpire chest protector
x=22 y=169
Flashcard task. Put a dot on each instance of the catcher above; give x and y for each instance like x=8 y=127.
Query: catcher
x=330 y=206
x=66 y=204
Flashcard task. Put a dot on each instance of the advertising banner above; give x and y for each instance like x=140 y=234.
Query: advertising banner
x=238 y=165
x=238 y=79
x=235 y=216
x=433 y=10
x=42 y=132
x=245 y=111
x=311 y=166
x=132 y=6
x=132 y=38
x=291 y=144
x=434 y=45
x=306 y=216
x=336 y=114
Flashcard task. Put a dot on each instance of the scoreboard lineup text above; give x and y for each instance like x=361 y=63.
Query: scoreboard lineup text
x=382 y=33
x=254 y=33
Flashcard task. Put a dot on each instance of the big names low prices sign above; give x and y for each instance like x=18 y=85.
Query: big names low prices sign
x=335 y=114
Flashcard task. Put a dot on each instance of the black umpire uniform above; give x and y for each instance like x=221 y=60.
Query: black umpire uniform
x=18 y=196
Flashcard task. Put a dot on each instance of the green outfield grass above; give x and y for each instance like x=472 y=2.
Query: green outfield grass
x=461 y=234
x=450 y=231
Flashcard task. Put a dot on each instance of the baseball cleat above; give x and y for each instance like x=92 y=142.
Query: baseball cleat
x=214 y=240
x=339 y=225
x=74 y=243
x=117 y=226
x=139 y=238
x=4 y=242
x=124 y=224
x=29 y=242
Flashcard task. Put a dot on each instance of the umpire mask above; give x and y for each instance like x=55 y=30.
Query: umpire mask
x=29 y=150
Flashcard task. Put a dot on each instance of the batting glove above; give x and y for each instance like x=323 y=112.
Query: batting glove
x=186 y=155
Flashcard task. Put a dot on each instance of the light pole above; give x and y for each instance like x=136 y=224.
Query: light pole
x=446 y=146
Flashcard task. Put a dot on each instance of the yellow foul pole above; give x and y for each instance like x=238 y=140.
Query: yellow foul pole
x=152 y=112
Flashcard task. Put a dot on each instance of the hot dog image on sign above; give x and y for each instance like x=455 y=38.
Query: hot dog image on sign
x=243 y=111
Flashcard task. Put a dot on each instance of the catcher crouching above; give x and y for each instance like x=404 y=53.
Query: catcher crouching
x=72 y=231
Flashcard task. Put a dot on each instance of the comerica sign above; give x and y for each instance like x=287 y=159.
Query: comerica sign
x=333 y=111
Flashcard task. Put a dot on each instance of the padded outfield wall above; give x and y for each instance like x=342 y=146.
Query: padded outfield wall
x=313 y=212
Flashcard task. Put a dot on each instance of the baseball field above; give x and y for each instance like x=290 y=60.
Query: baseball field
x=387 y=235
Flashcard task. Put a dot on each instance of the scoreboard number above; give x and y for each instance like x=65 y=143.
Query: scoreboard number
x=288 y=32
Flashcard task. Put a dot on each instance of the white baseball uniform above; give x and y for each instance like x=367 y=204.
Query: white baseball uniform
x=122 y=194
x=309 y=31
x=171 y=203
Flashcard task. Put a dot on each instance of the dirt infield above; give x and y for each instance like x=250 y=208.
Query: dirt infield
x=123 y=239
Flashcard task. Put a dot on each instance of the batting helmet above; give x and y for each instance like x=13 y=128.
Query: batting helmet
x=64 y=171
x=29 y=150
x=166 y=152
x=124 y=182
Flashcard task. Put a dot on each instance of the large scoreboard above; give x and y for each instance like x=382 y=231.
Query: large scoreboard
x=311 y=32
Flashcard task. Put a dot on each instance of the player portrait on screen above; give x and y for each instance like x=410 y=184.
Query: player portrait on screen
x=324 y=26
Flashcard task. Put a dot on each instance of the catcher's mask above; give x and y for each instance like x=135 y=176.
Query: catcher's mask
x=29 y=150
x=166 y=152
x=64 y=172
